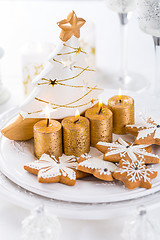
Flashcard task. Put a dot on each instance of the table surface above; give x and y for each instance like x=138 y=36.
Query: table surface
x=18 y=29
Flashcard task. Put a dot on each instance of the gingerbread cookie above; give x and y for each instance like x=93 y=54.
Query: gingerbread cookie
x=134 y=173
x=97 y=167
x=146 y=133
x=51 y=170
x=115 y=151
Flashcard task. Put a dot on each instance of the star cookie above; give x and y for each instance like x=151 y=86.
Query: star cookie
x=147 y=133
x=51 y=170
x=134 y=173
x=115 y=151
x=70 y=26
x=97 y=167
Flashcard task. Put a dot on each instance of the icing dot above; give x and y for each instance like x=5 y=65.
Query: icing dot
x=127 y=146
x=158 y=126
x=136 y=168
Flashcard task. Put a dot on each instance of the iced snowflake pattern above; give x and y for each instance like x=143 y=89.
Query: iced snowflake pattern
x=97 y=167
x=136 y=170
x=97 y=163
x=146 y=129
x=49 y=167
x=123 y=148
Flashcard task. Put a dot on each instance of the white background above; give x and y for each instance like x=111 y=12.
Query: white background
x=24 y=21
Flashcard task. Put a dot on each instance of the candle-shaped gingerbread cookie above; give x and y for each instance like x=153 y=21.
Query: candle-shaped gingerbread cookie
x=48 y=137
x=101 y=123
x=122 y=108
x=76 y=135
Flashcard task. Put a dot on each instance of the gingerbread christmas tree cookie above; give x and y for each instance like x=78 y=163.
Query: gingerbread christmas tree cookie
x=97 y=167
x=134 y=173
x=115 y=151
x=51 y=170
x=146 y=133
x=67 y=76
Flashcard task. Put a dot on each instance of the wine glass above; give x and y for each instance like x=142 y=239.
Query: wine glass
x=149 y=22
x=128 y=81
x=4 y=94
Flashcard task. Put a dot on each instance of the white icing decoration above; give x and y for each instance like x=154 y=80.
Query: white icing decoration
x=145 y=125
x=49 y=167
x=61 y=71
x=68 y=63
x=98 y=163
x=136 y=175
x=86 y=155
x=147 y=129
x=123 y=149
x=85 y=85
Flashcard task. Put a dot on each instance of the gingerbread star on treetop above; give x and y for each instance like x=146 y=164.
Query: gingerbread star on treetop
x=70 y=26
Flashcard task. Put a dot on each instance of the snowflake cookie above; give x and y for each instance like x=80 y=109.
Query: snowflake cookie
x=51 y=170
x=146 y=133
x=97 y=167
x=115 y=151
x=134 y=173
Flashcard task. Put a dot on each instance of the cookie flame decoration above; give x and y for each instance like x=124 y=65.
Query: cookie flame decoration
x=61 y=83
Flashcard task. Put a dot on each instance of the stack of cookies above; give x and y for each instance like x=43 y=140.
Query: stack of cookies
x=132 y=162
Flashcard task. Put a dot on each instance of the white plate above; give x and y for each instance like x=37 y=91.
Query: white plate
x=69 y=210
x=88 y=190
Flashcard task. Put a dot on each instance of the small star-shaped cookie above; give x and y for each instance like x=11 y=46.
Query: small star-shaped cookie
x=97 y=167
x=51 y=170
x=146 y=133
x=134 y=173
x=115 y=151
x=70 y=26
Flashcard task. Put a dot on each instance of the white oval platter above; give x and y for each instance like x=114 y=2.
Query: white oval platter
x=82 y=211
x=13 y=156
